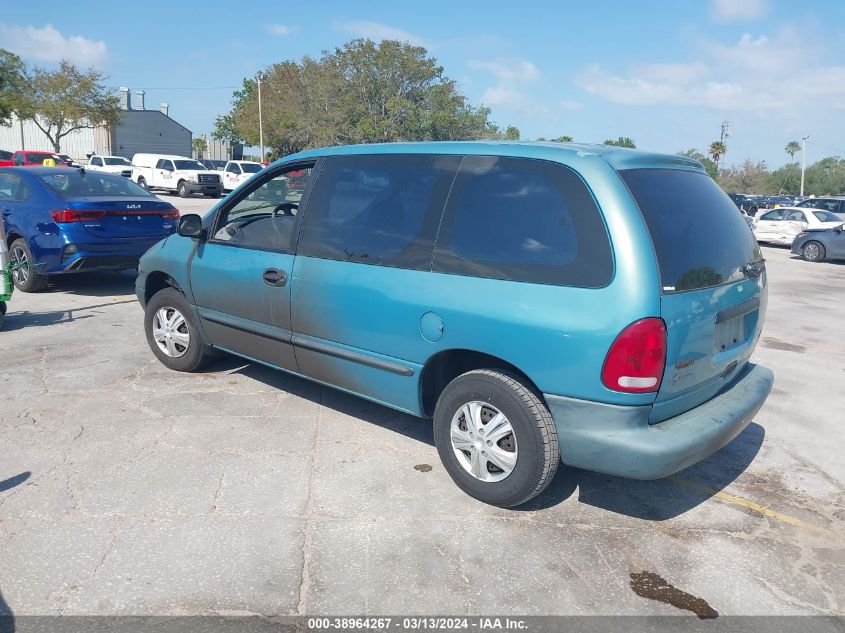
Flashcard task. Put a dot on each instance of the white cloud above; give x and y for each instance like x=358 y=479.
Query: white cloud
x=517 y=70
x=378 y=31
x=278 y=29
x=49 y=45
x=757 y=73
x=736 y=10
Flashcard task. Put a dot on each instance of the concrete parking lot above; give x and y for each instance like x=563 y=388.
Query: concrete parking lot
x=126 y=488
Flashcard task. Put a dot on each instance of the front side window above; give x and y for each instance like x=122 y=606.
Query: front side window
x=523 y=220
x=264 y=215
x=96 y=162
x=378 y=209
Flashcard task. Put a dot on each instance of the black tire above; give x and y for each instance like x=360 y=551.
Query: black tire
x=142 y=183
x=812 y=251
x=196 y=355
x=534 y=436
x=26 y=279
x=182 y=189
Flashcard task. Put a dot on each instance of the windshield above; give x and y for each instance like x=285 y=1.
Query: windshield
x=250 y=168
x=699 y=236
x=93 y=184
x=190 y=164
x=827 y=216
x=117 y=161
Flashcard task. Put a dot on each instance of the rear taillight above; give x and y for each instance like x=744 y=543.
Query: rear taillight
x=637 y=358
x=75 y=215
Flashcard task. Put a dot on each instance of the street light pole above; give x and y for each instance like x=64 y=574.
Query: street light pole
x=803 y=160
x=260 y=121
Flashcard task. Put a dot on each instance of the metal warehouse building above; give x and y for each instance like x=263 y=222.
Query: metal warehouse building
x=138 y=131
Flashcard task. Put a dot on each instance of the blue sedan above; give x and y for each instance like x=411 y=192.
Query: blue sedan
x=60 y=220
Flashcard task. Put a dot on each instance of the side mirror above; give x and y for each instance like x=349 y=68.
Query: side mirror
x=190 y=225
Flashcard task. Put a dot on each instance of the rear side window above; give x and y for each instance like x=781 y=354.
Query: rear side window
x=378 y=209
x=523 y=220
x=699 y=236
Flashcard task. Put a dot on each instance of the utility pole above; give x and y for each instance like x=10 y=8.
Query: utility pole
x=803 y=161
x=260 y=121
x=726 y=131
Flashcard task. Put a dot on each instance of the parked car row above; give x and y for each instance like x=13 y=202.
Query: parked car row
x=177 y=174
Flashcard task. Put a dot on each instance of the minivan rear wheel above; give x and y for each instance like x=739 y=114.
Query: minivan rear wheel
x=172 y=333
x=496 y=437
x=813 y=252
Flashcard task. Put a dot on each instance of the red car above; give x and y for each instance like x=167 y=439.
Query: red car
x=33 y=159
x=5 y=158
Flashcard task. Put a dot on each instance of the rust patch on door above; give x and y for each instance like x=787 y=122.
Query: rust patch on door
x=649 y=585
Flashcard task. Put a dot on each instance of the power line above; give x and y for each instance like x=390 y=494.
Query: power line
x=196 y=88
x=833 y=149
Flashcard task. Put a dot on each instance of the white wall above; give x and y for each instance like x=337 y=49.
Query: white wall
x=77 y=144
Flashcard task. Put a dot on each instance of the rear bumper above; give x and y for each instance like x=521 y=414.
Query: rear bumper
x=618 y=440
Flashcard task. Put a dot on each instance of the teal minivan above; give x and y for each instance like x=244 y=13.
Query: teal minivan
x=542 y=303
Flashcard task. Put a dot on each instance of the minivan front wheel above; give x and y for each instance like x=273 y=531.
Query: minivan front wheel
x=172 y=334
x=495 y=437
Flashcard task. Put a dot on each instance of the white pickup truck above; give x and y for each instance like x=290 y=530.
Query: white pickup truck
x=237 y=171
x=110 y=165
x=179 y=174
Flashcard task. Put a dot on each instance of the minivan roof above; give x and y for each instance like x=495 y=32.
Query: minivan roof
x=617 y=157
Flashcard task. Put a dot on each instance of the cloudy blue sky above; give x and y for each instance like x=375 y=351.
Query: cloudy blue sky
x=666 y=73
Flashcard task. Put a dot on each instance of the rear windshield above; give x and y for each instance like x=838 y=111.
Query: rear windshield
x=827 y=216
x=71 y=185
x=699 y=235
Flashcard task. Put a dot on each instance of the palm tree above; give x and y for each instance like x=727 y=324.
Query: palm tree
x=716 y=151
x=792 y=148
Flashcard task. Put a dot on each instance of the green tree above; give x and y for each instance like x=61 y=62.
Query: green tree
x=716 y=150
x=787 y=180
x=747 y=177
x=564 y=139
x=708 y=164
x=792 y=148
x=12 y=85
x=512 y=133
x=622 y=141
x=68 y=99
x=362 y=92
x=825 y=177
x=199 y=144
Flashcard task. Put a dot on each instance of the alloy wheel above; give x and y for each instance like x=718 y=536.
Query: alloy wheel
x=20 y=265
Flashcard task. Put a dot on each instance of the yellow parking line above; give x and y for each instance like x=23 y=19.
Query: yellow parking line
x=750 y=505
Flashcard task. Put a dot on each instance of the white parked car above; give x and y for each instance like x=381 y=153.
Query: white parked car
x=782 y=225
x=179 y=174
x=238 y=171
x=110 y=164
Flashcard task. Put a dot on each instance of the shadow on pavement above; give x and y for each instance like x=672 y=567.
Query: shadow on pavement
x=17 y=320
x=11 y=482
x=656 y=500
x=94 y=284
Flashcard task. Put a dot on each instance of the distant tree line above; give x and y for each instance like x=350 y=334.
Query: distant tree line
x=362 y=92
